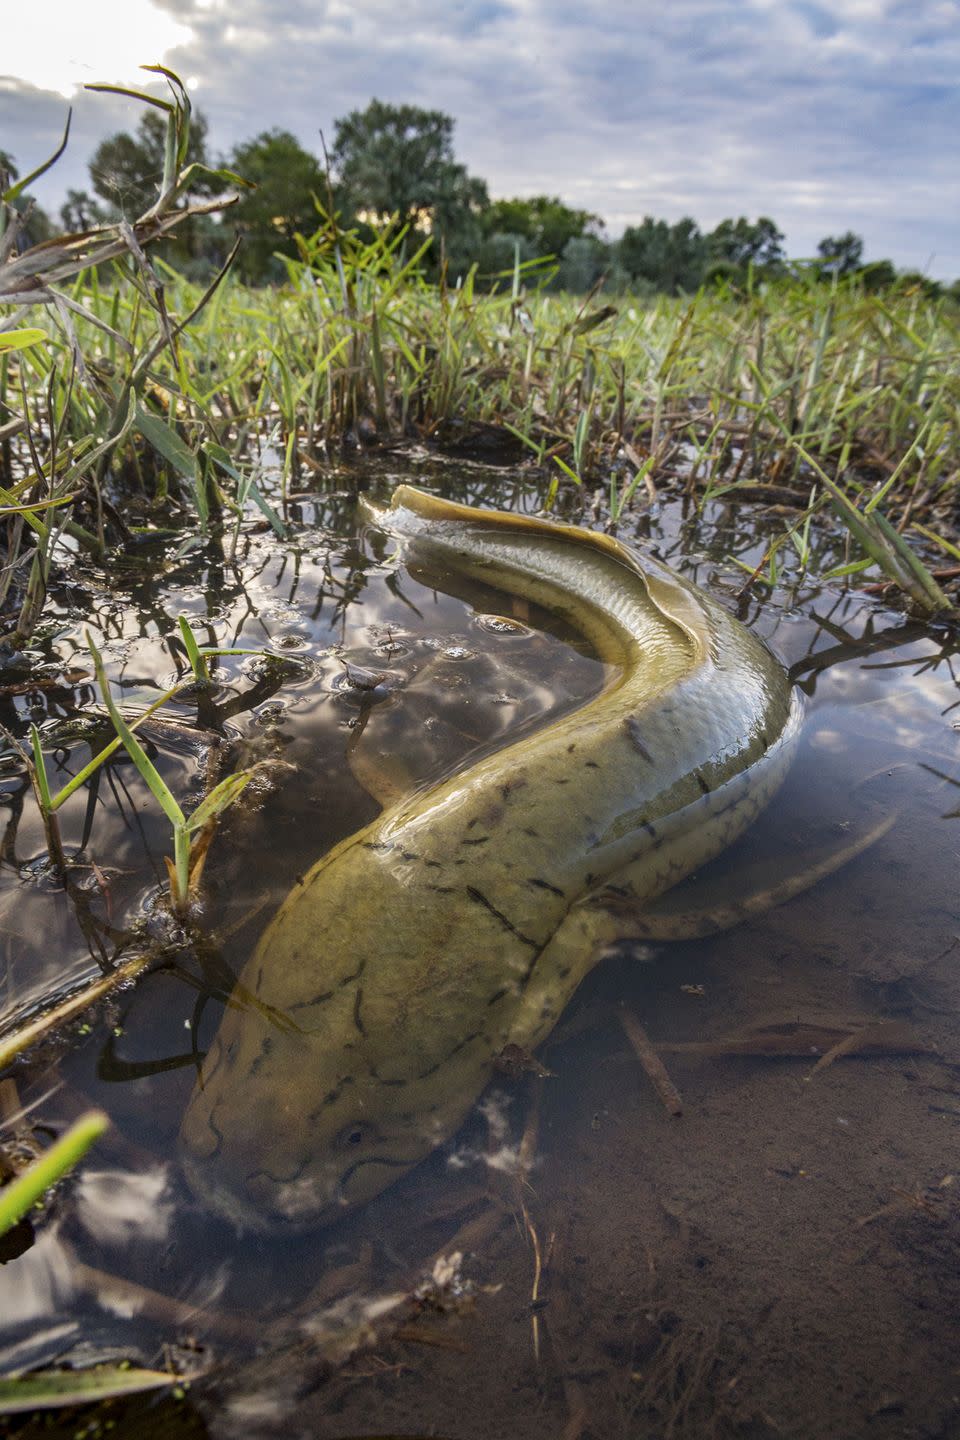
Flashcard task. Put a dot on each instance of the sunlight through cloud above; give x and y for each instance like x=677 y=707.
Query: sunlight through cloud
x=52 y=44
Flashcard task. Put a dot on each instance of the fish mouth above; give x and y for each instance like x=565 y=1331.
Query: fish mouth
x=223 y=1201
x=285 y=1208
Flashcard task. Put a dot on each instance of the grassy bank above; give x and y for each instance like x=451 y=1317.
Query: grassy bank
x=140 y=400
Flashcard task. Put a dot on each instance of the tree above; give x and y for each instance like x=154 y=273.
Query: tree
x=398 y=160
x=543 y=221
x=915 y=281
x=741 y=243
x=840 y=254
x=878 y=275
x=126 y=170
x=34 y=225
x=80 y=212
x=668 y=258
x=499 y=253
x=585 y=259
x=287 y=178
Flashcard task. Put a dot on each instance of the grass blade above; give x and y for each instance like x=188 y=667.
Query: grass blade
x=17 y=1197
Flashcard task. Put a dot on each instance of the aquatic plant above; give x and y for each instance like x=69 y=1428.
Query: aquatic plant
x=191 y=833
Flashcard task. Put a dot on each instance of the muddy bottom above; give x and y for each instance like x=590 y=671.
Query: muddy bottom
x=779 y=1259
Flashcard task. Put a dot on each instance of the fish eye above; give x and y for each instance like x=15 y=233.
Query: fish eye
x=354 y=1134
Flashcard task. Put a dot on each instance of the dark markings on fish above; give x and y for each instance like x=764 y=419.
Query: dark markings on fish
x=320 y=999
x=497 y=995
x=379 y=845
x=701 y=781
x=460 y=1045
x=409 y=855
x=560 y=780
x=263 y=1054
x=211 y=1062
x=279 y=1179
x=374 y=1160
x=391 y=1084
x=483 y=840
x=635 y=731
x=590 y=765
x=481 y=899
x=331 y=1097
x=571 y=748
x=524 y=979
x=734 y=803
x=358 y=1001
x=219 y=1134
x=298 y=879
x=563 y=972
x=508 y=787
x=545 y=885
x=441 y=889
x=764 y=741
x=256 y=987
x=534 y=834
x=474 y=821
x=434 y=864
x=649 y=827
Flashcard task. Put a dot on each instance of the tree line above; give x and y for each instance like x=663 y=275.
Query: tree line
x=398 y=162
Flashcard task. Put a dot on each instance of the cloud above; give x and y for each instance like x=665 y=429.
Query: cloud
x=825 y=116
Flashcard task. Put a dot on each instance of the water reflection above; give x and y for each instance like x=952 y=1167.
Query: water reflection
x=125 y=1210
x=678 y=1261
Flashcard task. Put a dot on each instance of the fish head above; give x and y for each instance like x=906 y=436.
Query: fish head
x=290 y=1131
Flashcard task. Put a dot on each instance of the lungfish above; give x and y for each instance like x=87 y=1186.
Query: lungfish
x=461 y=921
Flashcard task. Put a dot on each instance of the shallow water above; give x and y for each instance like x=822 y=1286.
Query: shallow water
x=780 y=1260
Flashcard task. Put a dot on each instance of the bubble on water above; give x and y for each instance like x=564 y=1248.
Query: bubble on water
x=502 y=625
x=457 y=652
x=270 y=713
x=291 y=640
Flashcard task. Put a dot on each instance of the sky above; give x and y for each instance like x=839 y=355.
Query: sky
x=833 y=116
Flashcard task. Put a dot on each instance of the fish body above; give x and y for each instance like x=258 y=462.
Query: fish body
x=462 y=919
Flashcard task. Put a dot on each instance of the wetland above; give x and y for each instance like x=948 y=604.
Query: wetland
x=716 y=1196
x=779 y=1259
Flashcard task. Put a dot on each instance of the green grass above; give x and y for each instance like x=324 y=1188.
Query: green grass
x=28 y=1189
x=151 y=396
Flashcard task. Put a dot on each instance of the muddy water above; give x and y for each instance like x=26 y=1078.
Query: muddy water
x=779 y=1260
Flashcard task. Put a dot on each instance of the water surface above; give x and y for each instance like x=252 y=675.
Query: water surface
x=781 y=1260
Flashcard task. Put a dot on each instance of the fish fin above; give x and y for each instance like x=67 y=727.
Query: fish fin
x=578 y=942
x=385 y=778
x=666 y=920
x=380 y=772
